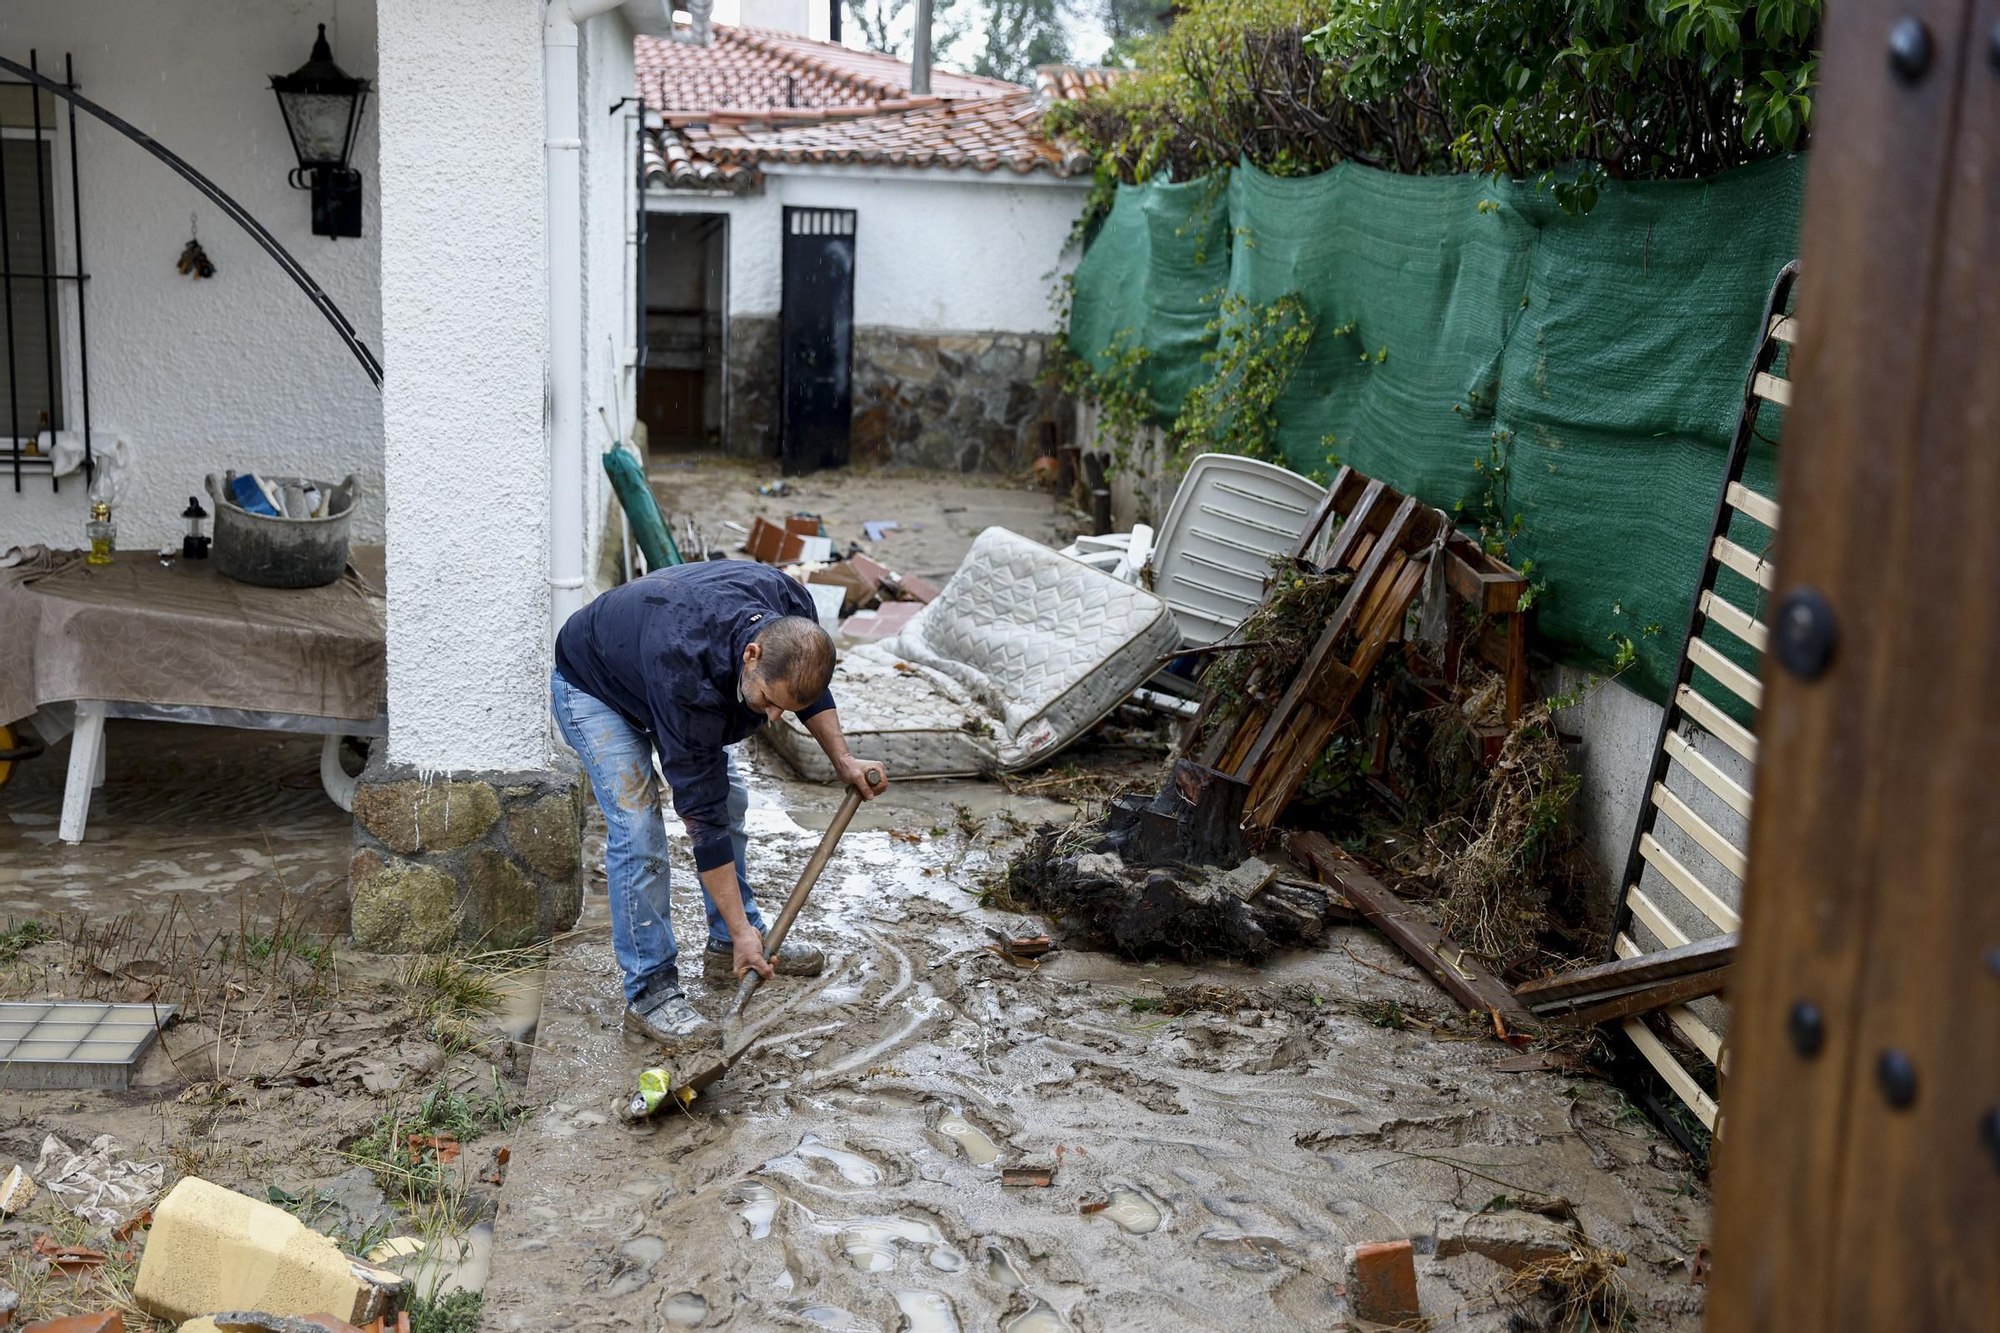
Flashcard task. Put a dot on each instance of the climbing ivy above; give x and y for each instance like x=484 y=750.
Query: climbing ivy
x=1257 y=348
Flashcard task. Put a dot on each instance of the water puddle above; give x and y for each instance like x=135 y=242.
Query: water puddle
x=853 y=1167
x=831 y=1317
x=1251 y=1254
x=871 y=1244
x=926 y=1312
x=684 y=1309
x=1134 y=1213
x=1000 y=1269
x=636 y=1259
x=520 y=1004
x=756 y=1203
x=947 y=1260
x=457 y=1264
x=978 y=1148
x=1041 y=1319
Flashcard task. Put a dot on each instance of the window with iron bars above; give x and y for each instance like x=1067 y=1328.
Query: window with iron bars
x=34 y=388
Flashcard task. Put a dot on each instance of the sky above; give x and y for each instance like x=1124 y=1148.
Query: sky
x=1087 y=38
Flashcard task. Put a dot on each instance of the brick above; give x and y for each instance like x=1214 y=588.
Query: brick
x=1512 y=1239
x=214 y=1249
x=103 y=1321
x=1382 y=1286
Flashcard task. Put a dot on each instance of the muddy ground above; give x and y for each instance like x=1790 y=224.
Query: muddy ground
x=937 y=515
x=846 y=1174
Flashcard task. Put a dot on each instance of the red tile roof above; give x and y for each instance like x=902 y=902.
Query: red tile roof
x=755 y=96
x=761 y=68
x=983 y=134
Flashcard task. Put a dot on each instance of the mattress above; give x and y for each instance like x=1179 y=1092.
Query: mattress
x=1022 y=653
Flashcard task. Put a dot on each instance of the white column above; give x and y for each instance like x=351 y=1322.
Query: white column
x=464 y=334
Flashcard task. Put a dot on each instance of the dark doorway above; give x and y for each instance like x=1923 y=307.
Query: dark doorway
x=682 y=378
x=816 y=338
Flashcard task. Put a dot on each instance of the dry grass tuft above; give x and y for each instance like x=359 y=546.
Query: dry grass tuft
x=1588 y=1290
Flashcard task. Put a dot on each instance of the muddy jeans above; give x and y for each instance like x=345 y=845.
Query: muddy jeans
x=619 y=759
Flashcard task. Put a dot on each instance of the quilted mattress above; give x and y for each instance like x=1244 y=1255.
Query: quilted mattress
x=1022 y=652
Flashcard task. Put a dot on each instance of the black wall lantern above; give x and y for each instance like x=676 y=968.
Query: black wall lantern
x=322 y=105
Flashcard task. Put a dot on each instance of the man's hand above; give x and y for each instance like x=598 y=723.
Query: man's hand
x=854 y=773
x=748 y=947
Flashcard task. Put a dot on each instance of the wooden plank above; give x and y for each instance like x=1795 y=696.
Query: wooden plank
x=1671 y=1070
x=1771 y=389
x=1398 y=529
x=1462 y=976
x=1718 y=723
x=1784 y=329
x=1488 y=584
x=1705 y=772
x=1356 y=525
x=1630 y=1001
x=1698 y=1034
x=1274 y=782
x=1704 y=899
x=1653 y=918
x=1739 y=682
x=1759 y=507
x=1706 y=834
x=1329 y=507
x=1604 y=978
x=1878 y=821
x=1721 y=611
x=1750 y=565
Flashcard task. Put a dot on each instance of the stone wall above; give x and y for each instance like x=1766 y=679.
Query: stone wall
x=753 y=387
x=954 y=402
x=487 y=859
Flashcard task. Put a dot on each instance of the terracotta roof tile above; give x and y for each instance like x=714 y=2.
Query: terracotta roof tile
x=760 y=68
x=1069 y=83
x=754 y=96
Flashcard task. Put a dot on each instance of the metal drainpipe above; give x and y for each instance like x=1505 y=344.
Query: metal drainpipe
x=563 y=147
x=920 y=52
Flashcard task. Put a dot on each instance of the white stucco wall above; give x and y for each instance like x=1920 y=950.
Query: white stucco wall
x=465 y=331
x=238 y=370
x=935 y=251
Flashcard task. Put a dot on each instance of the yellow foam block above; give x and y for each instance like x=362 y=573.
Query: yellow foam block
x=214 y=1249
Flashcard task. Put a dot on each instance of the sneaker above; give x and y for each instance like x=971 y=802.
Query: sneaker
x=793 y=960
x=671 y=1022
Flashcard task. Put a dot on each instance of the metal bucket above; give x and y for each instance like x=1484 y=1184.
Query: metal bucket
x=283 y=552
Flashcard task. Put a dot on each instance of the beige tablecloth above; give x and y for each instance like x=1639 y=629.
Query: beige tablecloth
x=135 y=632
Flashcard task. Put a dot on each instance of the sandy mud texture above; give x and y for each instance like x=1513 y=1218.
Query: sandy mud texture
x=1218 y=1135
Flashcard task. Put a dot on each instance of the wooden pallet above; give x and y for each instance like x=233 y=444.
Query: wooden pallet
x=1272 y=736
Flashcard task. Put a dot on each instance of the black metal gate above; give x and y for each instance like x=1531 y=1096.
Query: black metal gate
x=816 y=338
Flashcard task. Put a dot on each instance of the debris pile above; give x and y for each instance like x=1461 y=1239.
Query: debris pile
x=1167 y=873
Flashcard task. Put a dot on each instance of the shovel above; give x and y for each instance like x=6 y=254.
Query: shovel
x=691 y=1078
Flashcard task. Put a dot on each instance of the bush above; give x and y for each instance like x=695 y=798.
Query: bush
x=1568 y=92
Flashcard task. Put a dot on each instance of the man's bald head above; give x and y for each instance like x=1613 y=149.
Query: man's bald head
x=799 y=653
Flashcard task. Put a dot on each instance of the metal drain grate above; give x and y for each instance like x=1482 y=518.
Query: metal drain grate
x=69 y=1045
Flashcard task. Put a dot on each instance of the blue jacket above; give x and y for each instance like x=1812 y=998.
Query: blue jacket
x=666 y=651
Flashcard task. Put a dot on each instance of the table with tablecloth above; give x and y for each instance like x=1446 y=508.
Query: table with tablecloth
x=175 y=640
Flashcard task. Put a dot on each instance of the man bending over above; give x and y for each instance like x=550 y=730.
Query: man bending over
x=684 y=663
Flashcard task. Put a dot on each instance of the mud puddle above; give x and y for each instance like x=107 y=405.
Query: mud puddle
x=1208 y=1167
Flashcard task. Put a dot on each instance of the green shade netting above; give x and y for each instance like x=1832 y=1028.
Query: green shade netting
x=1602 y=356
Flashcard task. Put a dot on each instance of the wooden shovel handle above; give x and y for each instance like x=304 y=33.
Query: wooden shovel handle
x=775 y=937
